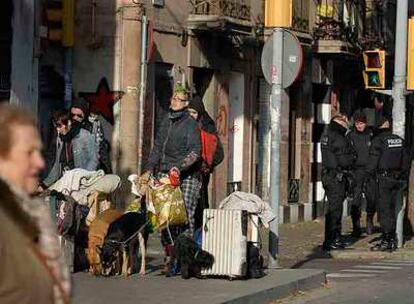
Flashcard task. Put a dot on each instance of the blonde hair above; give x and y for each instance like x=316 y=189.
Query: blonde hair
x=11 y=116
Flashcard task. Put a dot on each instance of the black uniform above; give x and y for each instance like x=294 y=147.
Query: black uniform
x=337 y=158
x=389 y=161
x=361 y=142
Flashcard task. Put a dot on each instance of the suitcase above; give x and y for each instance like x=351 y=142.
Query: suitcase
x=225 y=235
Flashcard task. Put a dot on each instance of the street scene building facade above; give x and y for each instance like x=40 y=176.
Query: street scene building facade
x=125 y=56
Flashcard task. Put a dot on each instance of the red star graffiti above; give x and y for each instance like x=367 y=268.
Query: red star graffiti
x=103 y=100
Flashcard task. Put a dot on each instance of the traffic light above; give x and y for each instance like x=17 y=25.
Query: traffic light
x=410 y=55
x=374 y=72
x=60 y=22
x=278 y=13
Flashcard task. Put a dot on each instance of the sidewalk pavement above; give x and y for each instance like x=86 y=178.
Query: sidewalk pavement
x=156 y=288
x=302 y=241
x=298 y=243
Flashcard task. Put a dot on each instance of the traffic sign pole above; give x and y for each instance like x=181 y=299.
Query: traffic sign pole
x=282 y=61
x=398 y=96
x=275 y=109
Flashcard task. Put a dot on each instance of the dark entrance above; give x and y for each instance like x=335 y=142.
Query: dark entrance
x=6 y=11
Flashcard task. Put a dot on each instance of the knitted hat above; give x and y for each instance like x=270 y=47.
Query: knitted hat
x=197 y=104
x=82 y=104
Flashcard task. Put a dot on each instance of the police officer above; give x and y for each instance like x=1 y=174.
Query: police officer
x=337 y=159
x=360 y=138
x=389 y=162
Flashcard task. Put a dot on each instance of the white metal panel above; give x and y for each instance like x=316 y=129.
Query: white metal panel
x=224 y=238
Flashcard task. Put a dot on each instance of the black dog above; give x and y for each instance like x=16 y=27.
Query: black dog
x=120 y=246
x=192 y=258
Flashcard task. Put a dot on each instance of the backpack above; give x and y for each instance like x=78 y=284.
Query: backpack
x=209 y=142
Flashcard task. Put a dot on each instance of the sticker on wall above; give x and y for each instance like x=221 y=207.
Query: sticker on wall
x=103 y=100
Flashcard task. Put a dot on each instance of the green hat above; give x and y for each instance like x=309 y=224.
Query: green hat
x=180 y=89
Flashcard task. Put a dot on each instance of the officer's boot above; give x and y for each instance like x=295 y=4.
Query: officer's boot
x=370 y=223
x=382 y=245
x=338 y=242
x=392 y=242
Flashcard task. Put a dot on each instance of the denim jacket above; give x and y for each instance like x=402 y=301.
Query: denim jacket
x=85 y=156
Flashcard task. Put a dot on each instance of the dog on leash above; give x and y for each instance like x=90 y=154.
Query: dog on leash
x=191 y=257
x=119 y=250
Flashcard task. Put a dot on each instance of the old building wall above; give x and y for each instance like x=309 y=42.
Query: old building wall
x=24 y=60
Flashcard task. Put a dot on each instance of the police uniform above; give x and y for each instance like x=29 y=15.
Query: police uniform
x=389 y=162
x=361 y=142
x=337 y=159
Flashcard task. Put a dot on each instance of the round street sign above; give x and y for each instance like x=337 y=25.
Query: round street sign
x=292 y=59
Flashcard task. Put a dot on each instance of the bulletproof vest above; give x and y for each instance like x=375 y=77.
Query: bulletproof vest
x=391 y=157
x=337 y=150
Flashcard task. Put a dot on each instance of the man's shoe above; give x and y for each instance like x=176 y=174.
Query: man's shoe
x=380 y=246
x=339 y=244
x=335 y=245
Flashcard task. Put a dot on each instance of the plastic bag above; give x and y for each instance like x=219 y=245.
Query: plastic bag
x=168 y=204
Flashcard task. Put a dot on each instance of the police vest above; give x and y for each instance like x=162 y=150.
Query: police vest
x=391 y=156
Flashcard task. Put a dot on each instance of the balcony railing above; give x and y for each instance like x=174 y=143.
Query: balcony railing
x=238 y=9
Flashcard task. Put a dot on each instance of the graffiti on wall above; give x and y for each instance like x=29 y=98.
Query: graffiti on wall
x=102 y=101
x=222 y=114
x=221 y=121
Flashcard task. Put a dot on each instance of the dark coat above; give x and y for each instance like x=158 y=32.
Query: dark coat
x=388 y=153
x=337 y=150
x=177 y=144
x=23 y=276
x=361 y=142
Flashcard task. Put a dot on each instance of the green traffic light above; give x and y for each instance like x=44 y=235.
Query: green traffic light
x=373 y=79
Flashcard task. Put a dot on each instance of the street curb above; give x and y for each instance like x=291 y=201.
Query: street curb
x=370 y=255
x=282 y=291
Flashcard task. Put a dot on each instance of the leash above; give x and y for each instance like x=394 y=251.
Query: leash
x=131 y=237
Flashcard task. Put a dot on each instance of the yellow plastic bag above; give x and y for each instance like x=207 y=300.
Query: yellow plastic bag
x=135 y=206
x=169 y=205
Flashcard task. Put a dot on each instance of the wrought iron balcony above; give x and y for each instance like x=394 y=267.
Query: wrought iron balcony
x=238 y=9
x=233 y=15
x=335 y=29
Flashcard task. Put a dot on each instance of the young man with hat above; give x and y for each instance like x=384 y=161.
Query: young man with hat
x=360 y=138
x=79 y=113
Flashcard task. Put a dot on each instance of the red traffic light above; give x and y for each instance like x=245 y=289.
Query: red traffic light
x=373 y=60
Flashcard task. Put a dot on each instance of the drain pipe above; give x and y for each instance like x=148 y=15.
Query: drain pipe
x=142 y=87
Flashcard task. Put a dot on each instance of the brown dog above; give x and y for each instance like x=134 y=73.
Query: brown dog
x=97 y=232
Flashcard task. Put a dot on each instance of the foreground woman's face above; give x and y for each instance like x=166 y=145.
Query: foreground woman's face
x=23 y=164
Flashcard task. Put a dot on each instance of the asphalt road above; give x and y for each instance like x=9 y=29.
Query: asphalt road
x=359 y=282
